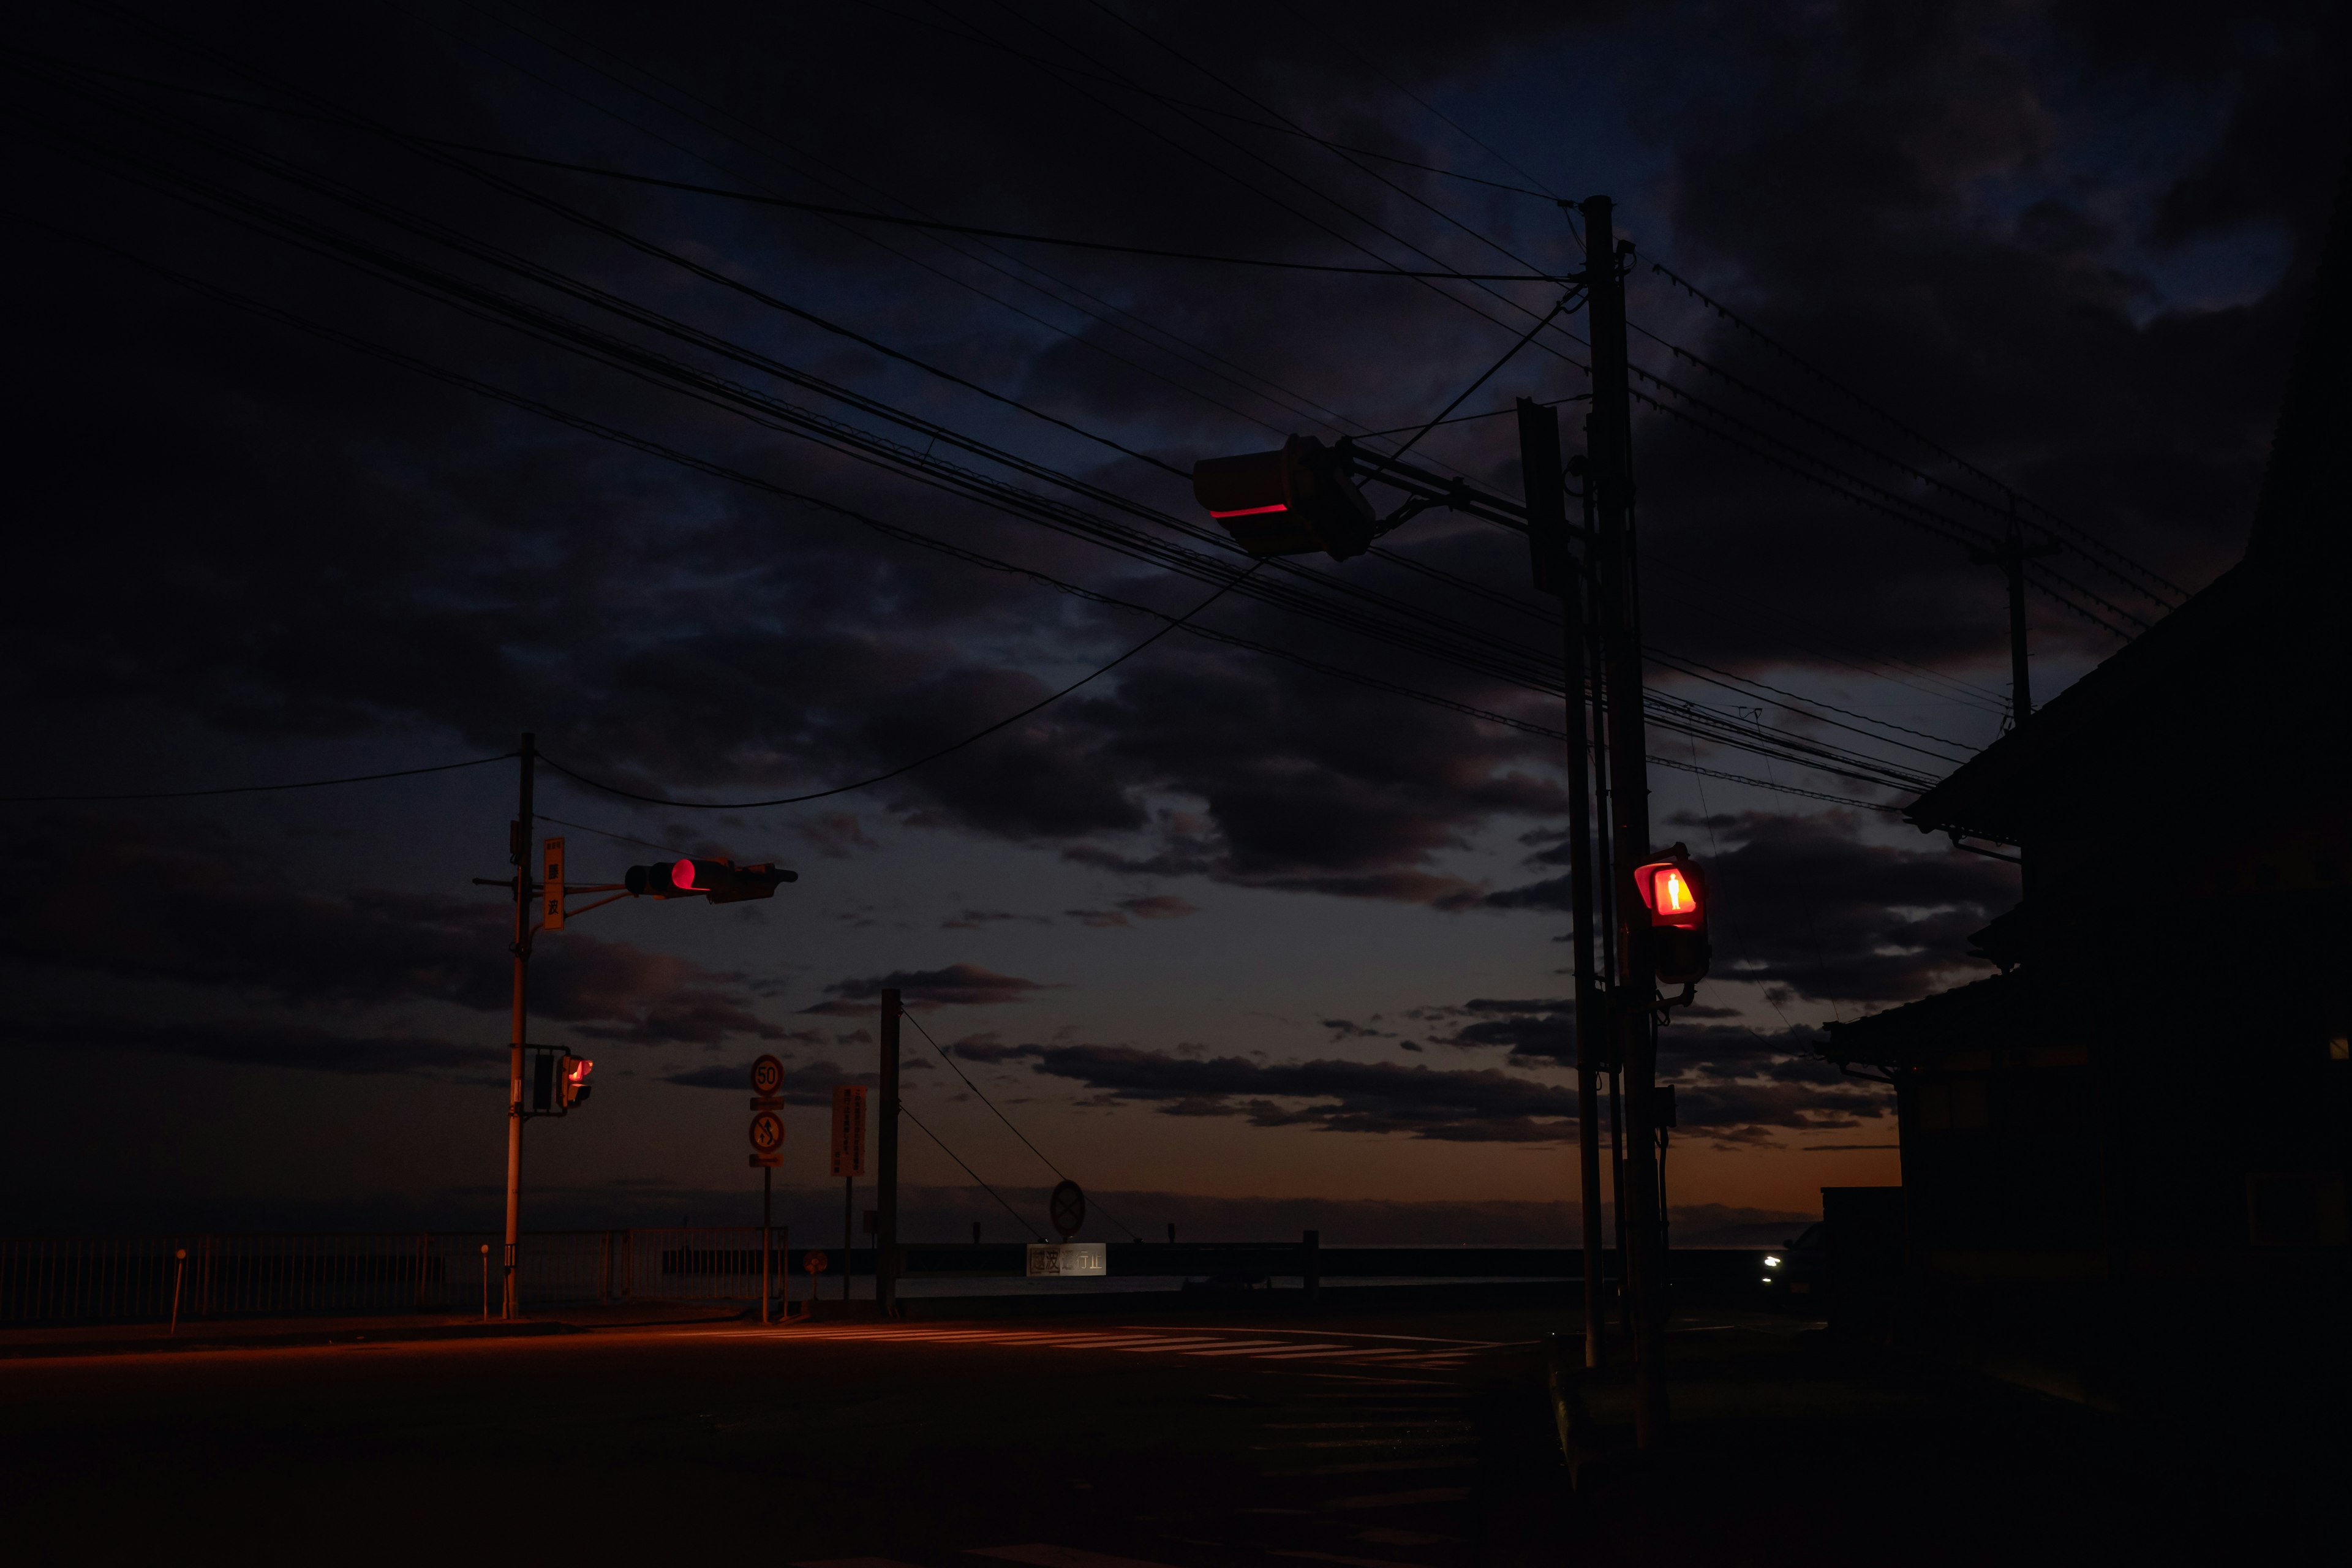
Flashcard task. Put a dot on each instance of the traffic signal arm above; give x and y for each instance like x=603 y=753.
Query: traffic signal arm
x=1305 y=498
x=720 y=881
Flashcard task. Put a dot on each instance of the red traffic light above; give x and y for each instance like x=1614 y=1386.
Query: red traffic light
x=571 y=1080
x=1674 y=891
x=1671 y=894
x=720 y=881
x=1289 y=502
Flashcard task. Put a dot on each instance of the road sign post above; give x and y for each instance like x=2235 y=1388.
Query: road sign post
x=848 y=1159
x=767 y=1078
x=1068 y=1209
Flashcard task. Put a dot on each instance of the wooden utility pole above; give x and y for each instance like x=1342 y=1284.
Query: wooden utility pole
x=1558 y=572
x=1609 y=463
x=518 y=850
x=886 y=1177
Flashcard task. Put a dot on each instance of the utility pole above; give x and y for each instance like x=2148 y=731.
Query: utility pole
x=518 y=850
x=886 y=1179
x=1557 y=572
x=2011 y=555
x=1609 y=463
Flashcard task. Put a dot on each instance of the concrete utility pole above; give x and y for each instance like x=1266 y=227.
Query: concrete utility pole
x=886 y=1176
x=1557 y=571
x=1618 y=602
x=2011 y=555
x=518 y=850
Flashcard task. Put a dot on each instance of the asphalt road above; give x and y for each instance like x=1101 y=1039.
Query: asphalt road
x=1091 y=1445
x=1182 y=1442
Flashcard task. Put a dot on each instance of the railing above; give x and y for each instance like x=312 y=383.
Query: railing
x=92 y=1280
x=88 y=1280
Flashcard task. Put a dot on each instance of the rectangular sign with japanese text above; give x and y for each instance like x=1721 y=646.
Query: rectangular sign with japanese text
x=1055 y=1260
x=848 y=1130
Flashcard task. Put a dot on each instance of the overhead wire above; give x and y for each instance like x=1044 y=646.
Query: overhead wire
x=907 y=1111
x=1918 y=474
x=1279 y=129
x=957 y=1068
x=657 y=450
x=1878 y=408
x=902 y=356
x=1810 y=754
x=1298 y=404
x=249 y=789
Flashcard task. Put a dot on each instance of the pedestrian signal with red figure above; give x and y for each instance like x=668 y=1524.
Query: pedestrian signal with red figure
x=1291 y=503
x=572 y=1084
x=1674 y=891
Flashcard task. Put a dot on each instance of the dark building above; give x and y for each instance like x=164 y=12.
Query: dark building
x=2124 y=1155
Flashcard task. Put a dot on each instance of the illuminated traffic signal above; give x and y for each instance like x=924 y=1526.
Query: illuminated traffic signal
x=572 y=1084
x=720 y=881
x=1289 y=502
x=1675 y=892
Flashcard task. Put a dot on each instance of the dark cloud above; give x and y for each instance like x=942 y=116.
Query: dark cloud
x=959 y=985
x=117 y=899
x=1475 y=1107
x=972 y=919
x=811 y=1083
x=1806 y=904
x=836 y=834
x=1151 y=907
x=262 y=1043
x=671 y=633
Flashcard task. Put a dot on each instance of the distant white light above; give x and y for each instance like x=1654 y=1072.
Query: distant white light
x=1772 y=1262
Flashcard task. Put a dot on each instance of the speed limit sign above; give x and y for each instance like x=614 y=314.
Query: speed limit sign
x=767 y=1076
x=767 y=1138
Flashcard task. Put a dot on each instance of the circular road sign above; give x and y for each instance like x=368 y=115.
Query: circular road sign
x=1067 y=1208
x=767 y=1076
x=767 y=1132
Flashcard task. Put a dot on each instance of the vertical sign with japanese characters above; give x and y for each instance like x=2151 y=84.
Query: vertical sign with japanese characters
x=849 y=1130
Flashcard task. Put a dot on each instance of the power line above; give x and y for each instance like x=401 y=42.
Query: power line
x=1675 y=348
x=906 y=1111
x=637 y=365
x=1299 y=403
x=250 y=789
x=1878 y=408
x=1680 y=720
x=1061 y=75
x=1813 y=755
x=919 y=762
x=1921 y=475
x=991 y=1105
x=1338 y=36
x=1173 y=101
x=608 y=833
x=864 y=214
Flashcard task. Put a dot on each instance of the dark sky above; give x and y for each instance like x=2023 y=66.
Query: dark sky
x=346 y=437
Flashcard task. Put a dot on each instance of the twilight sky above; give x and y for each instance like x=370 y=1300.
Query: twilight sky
x=346 y=437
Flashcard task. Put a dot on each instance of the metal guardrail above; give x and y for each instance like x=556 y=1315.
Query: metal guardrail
x=93 y=1279
x=115 y=1278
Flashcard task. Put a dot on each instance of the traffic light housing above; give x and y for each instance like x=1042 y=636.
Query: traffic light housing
x=1290 y=502
x=1674 y=889
x=720 y=881
x=572 y=1084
